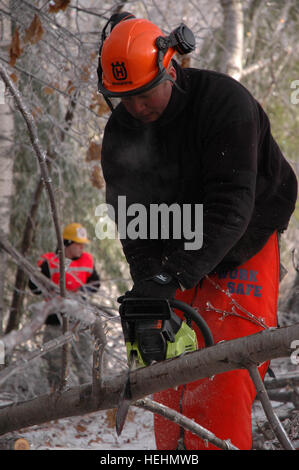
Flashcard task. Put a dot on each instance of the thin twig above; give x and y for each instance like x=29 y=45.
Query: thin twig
x=250 y=315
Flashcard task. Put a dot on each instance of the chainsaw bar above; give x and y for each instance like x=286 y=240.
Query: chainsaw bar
x=125 y=401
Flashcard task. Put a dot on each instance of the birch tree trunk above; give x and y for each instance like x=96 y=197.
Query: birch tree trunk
x=233 y=25
x=6 y=158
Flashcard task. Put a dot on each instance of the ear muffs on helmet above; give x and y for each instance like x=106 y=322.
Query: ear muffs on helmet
x=181 y=40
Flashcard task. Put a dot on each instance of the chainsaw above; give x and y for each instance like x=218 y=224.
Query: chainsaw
x=153 y=333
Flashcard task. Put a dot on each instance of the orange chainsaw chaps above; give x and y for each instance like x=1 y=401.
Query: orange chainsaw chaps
x=239 y=303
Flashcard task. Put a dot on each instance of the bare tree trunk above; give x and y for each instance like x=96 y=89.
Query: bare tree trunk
x=6 y=157
x=21 y=278
x=233 y=38
x=229 y=355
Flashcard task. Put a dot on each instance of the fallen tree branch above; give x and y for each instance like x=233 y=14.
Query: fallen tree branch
x=287 y=380
x=73 y=309
x=184 y=422
x=269 y=412
x=41 y=311
x=225 y=356
x=47 y=347
x=291 y=396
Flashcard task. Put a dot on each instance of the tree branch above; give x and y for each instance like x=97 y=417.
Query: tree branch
x=43 y=283
x=272 y=417
x=25 y=360
x=240 y=353
x=184 y=422
x=41 y=312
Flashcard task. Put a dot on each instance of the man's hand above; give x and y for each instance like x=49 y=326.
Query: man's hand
x=160 y=286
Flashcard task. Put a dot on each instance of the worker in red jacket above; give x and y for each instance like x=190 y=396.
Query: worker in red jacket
x=189 y=137
x=80 y=276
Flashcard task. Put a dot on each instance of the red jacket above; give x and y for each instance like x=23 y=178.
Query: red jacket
x=77 y=272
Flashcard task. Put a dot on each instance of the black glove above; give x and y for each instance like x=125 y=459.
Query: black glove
x=160 y=286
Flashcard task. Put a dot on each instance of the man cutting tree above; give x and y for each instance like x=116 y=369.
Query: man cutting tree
x=191 y=136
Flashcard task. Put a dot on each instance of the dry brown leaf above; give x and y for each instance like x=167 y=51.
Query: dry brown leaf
x=93 y=56
x=85 y=73
x=35 y=31
x=111 y=417
x=96 y=177
x=93 y=152
x=36 y=112
x=95 y=441
x=15 y=50
x=14 y=77
x=48 y=90
x=131 y=416
x=80 y=428
x=70 y=87
x=59 y=5
x=100 y=103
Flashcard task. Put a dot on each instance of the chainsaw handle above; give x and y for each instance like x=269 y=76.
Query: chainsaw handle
x=196 y=317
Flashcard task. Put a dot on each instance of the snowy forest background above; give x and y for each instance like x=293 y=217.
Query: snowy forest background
x=48 y=53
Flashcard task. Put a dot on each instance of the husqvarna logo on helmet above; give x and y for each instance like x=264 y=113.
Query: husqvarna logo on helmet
x=119 y=71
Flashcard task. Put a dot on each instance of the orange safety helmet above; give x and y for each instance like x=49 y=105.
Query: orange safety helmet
x=129 y=62
x=75 y=233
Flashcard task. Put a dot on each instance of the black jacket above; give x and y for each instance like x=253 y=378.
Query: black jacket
x=212 y=146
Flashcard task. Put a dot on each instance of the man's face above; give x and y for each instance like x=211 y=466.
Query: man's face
x=148 y=106
x=74 y=250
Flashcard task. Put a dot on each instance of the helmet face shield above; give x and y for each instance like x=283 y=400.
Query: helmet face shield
x=130 y=62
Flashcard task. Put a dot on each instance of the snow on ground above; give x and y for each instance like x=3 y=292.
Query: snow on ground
x=94 y=431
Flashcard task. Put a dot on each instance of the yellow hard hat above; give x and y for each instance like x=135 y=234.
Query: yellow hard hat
x=75 y=232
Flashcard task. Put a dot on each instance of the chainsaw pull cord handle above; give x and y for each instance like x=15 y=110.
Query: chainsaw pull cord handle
x=196 y=317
